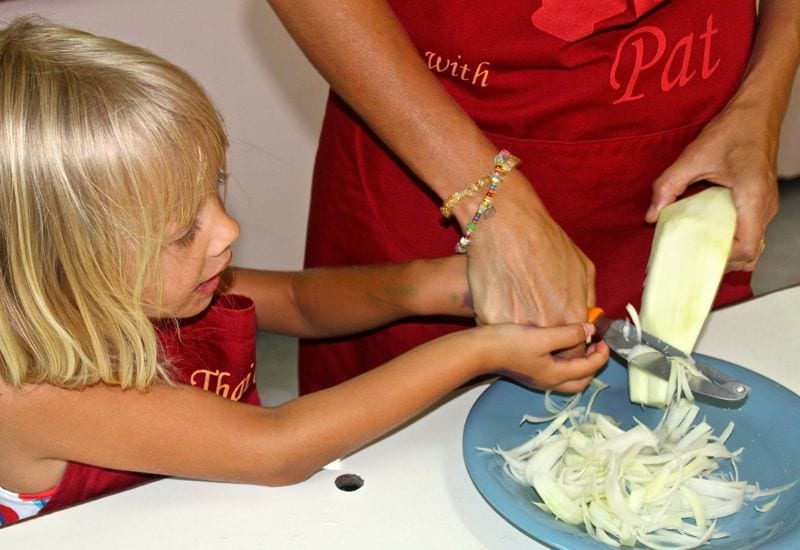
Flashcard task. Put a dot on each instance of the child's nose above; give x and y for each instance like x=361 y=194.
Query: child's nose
x=227 y=233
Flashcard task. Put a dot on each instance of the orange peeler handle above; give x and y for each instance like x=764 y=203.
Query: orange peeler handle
x=598 y=318
x=595 y=313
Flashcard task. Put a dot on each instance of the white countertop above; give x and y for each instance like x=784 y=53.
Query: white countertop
x=416 y=493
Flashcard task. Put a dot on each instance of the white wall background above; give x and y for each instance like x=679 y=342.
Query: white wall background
x=270 y=96
x=789 y=151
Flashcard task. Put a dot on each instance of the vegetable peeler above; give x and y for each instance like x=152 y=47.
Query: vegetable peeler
x=716 y=388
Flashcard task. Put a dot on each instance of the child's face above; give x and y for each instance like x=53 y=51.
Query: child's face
x=194 y=258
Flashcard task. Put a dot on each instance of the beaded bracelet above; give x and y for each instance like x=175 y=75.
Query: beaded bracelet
x=504 y=162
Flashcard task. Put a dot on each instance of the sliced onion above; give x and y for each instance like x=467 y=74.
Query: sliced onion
x=660 y=487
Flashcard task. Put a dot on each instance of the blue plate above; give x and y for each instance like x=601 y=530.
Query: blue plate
x=767 y=426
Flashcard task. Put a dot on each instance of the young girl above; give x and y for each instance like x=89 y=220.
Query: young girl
x=120 y=356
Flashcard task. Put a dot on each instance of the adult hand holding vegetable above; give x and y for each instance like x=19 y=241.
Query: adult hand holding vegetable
x=734 y=151
x=738 y=148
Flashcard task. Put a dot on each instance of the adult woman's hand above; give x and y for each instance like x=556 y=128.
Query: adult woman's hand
x=522 y=267
x=738 y=148
x=735 y=151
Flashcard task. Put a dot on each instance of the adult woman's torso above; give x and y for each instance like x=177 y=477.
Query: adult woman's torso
x=596 y=98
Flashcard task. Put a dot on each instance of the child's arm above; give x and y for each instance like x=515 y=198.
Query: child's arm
x=187 y=432
x=344 y=300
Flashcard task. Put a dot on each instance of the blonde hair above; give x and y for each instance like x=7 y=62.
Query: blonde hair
x=102 y=146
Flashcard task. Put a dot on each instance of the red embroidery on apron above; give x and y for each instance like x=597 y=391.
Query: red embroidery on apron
x=648 y=46
x=572 y=20
x=575 y=19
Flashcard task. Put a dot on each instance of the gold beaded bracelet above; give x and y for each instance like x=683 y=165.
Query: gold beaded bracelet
x=447 y=208
x=504 y=162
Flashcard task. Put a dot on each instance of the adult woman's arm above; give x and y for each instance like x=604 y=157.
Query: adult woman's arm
x=522 y=266
x=738 y=148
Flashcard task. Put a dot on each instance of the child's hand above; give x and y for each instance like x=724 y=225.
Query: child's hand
x=528 y=355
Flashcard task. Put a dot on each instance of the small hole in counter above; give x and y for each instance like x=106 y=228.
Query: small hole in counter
x=349 y=482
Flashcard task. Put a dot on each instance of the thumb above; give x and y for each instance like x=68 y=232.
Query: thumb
x=567 y=336
x=670 y=185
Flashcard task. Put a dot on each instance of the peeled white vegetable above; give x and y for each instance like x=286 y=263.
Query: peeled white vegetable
x=690 y=249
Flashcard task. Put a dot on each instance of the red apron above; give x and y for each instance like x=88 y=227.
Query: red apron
x=215 y=351
x=596 y=98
